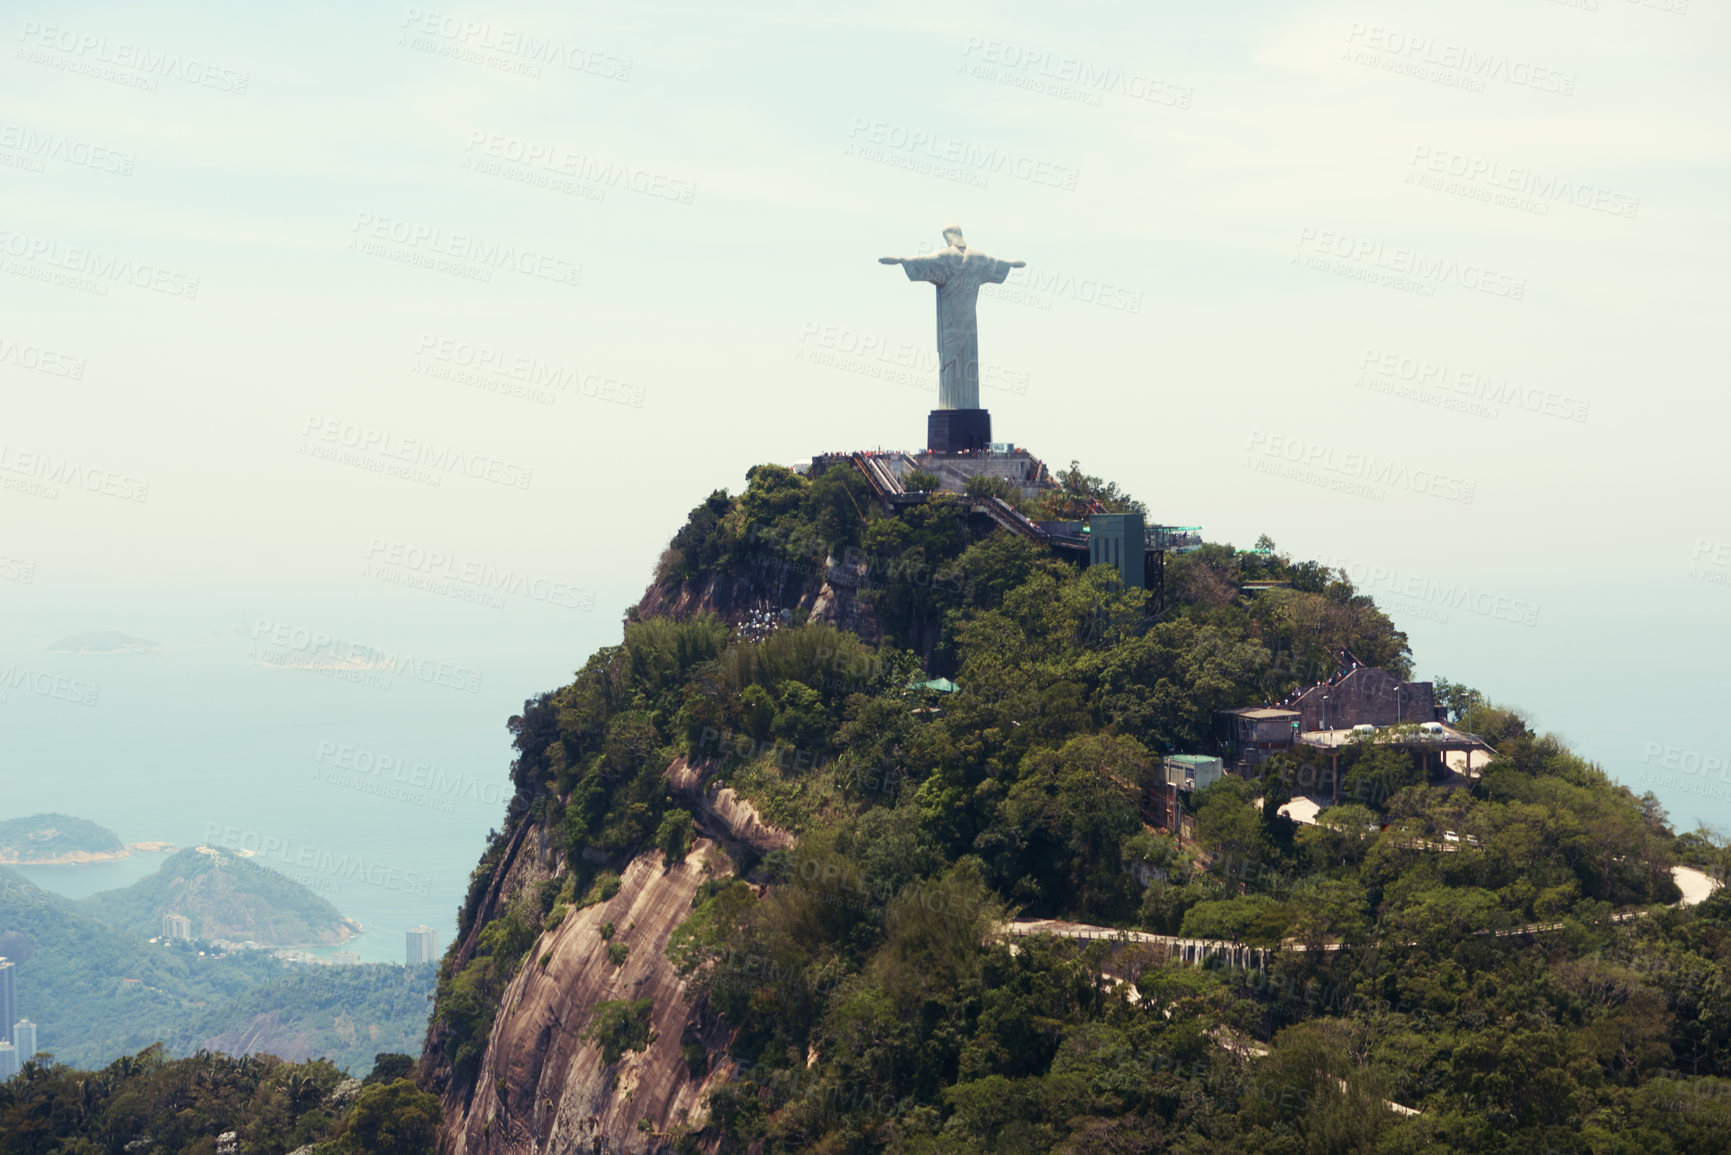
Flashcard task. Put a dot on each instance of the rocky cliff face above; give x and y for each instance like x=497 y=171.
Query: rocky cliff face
x=541 y=1085
x=835 y=596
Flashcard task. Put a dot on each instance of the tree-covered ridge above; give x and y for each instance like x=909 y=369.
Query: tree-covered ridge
x=100 y=993
x=149 y=1104
x=1494 y=955
x=224 y=896
x=47 y=837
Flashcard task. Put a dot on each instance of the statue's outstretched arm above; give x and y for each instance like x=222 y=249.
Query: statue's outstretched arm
x=891 y=260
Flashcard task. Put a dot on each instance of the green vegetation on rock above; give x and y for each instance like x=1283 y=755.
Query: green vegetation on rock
x=870 y=999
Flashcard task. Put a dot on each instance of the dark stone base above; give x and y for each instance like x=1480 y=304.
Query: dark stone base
x=953 y=430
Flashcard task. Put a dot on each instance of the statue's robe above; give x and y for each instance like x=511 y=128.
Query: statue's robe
x=958 y=274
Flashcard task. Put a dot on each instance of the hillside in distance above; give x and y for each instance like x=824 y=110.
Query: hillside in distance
x=346 y=1015
x=47 y=838
x=767 y=884
x=98 y=992
x=226 y=897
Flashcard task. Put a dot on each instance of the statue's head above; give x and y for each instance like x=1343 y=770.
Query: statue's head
x=953 y=234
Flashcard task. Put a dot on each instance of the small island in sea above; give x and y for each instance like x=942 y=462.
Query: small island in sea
x=104 y=642
x=62 y=840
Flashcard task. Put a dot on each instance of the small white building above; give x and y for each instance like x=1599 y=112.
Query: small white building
x=1192 y=771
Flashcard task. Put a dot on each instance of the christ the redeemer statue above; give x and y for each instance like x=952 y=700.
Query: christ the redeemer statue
x=958 y=272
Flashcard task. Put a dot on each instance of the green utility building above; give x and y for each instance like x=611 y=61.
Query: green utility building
x=1117 y=540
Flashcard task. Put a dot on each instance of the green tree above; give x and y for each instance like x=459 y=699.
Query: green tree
x=620 y=1025
x=395 y=1118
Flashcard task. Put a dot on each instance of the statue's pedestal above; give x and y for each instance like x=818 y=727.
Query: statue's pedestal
x=954 y=430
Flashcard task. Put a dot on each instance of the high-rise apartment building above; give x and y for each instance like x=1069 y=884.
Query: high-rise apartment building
x=8 y=1061
x=8 y=998
x=24 y=1040
x=421 y=945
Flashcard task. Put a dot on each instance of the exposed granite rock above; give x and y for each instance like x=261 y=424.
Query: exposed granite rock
x=541 y=1087
x=530 y=857
x=834 y=596
x=723 y=814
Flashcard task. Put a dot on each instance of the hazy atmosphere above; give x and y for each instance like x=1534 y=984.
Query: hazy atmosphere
x=359 y=361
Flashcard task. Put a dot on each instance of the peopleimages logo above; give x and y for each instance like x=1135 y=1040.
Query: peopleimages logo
x=428 y=245
x=327 y=436
x=556 y=160
x=1544 y=187
x=397 y=561
x=287 y=646
x=1410 y=264
x=40 y=360
x=872 y=137
x=401 y=779
x=40 y=145
x=87 y=53
x=40 y=682
x=51 y=471
x=527 y=370
x=1431 y=597
x=78 y=261
x=480 y=37
x=314 y=860
x=1361 y=466
x=1471 y=384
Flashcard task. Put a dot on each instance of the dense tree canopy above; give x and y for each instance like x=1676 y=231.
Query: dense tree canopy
x=1493 y=955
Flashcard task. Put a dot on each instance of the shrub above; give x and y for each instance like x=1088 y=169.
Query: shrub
x=620 y=1025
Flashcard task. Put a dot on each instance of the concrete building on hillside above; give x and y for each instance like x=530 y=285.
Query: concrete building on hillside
x=1192 y=771
x=1251 y=735
x=176 y=926
x=1116 y=540
x=421 y=945
x=1363 y=696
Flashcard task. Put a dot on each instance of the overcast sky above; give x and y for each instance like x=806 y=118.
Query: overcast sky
x=1432 y=291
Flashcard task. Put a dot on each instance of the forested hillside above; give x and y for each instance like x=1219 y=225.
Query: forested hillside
x=99 y=993
x=54 y=837
x=149 y=1104
x=1483 y=965
x=223 y=896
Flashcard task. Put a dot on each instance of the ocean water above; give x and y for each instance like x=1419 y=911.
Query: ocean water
x=371 y=776
x=82 y=879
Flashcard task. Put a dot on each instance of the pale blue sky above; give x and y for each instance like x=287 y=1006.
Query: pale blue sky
x=1217 y=153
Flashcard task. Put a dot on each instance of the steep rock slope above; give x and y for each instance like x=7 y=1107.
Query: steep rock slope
x=542 y=1084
